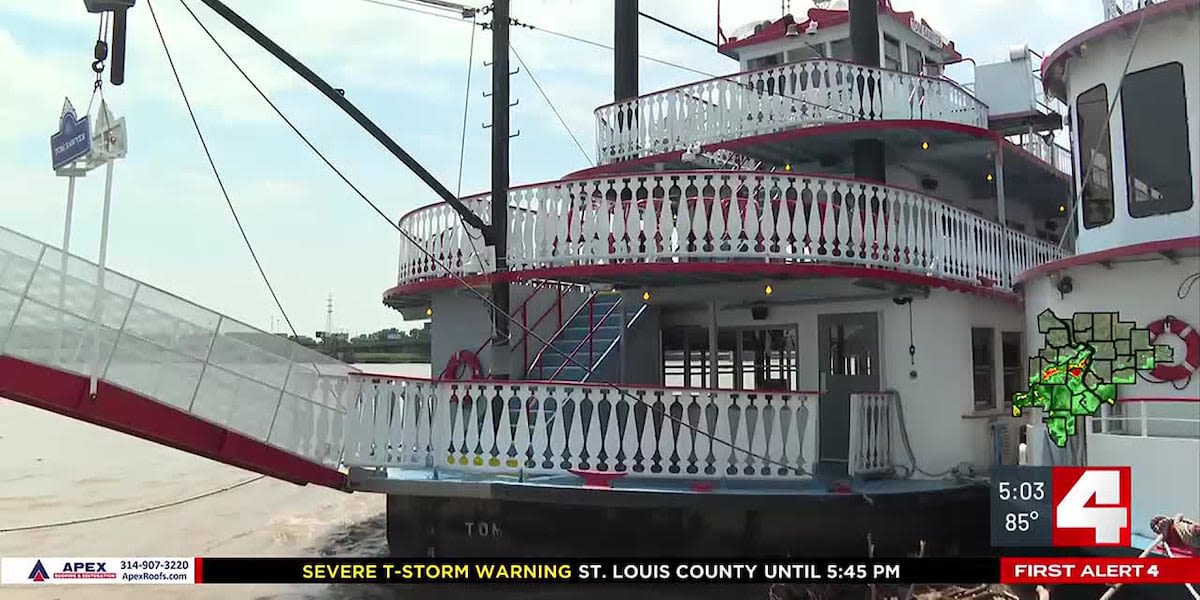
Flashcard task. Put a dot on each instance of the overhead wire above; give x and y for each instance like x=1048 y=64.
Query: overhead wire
x=727 y=78
x=1076 y=200
x=441 y=265
x=462 y=145
x=217 y=174
x=546 y=97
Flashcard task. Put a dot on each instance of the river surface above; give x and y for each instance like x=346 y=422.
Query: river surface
x=54 y=469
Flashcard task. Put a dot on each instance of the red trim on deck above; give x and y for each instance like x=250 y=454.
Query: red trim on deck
x=1053 y=66
x=1131 y=250
x=783 y=270
x=128 y=412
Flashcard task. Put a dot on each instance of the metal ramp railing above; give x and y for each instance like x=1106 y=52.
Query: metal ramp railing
x=217 y=387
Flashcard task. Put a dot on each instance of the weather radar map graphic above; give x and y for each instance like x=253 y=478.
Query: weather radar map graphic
x=1082 y=363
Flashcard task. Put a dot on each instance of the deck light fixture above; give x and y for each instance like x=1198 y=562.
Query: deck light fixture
x=787 y=166
x=1062 y=208
x=646 y=296
x=989 y=177
x=769 y=290
x=429 y=311
x=924 y=145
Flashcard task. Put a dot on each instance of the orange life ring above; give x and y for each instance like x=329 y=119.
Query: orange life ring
x=1182 y=370
x=459 y=360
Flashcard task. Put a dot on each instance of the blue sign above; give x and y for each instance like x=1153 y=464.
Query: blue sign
x=73 y=140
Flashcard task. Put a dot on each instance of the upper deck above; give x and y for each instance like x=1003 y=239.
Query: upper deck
x=806 y=94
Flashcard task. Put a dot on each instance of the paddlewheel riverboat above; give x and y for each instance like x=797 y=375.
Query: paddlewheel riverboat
x=786 y=313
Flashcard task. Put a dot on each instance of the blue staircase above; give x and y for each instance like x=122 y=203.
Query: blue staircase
x=600 y=317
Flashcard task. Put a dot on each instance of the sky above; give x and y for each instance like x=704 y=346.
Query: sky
x=170 y=225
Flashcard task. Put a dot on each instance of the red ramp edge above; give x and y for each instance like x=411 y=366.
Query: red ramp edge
x=128 y=412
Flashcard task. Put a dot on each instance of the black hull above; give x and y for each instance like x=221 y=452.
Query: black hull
x=951 y=522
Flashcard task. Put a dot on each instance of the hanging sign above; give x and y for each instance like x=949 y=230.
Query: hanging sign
x=927 y=32
x=109 y=141
x=73 y=139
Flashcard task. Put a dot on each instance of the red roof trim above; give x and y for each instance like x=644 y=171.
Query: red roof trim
x=828 y=18
x=1131 y=250
x=1054 y=65
x=128 y=412
x=782 y=270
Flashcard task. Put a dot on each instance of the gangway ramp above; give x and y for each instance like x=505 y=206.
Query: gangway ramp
x=168 y=370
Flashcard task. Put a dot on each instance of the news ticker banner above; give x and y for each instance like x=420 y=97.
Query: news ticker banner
x=188 y=570
x=1071 y=507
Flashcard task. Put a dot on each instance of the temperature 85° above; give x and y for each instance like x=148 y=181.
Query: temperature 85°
x=1024 y=491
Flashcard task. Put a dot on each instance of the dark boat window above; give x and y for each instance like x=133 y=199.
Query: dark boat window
x=916 y=62
x=983 y=361
x=840 y=49
x=1095 y=156
x=891 y=53
x=1158 y=166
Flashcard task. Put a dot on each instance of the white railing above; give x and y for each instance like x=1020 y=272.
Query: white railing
x=801 y=94
x=1048 y=152
x=871 y=419
x=1177 y=418
x=549 y=428
x=169 y=350
x=708 y=216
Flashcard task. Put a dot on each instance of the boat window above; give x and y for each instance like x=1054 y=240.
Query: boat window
x=840 y=49
x=806 y=52
x=983 y=361
x=891 y=53
x=1012 y=360
x=1158 y=166
x=765 y=61
x=747 y=358
x=916 y=62
x=1091 y=114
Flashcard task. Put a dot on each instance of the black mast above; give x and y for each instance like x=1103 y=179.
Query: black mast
x=500 y=105
x=864 y=47
x=625 y=50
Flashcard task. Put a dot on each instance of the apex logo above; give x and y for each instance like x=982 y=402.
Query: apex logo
x=1091 y=506
x=39 y=572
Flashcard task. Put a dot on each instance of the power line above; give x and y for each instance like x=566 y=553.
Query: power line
x=216 y=173
x=441 y=265
x=462 y=146
x=679 y=29
x=575 y=139
x=1077 y=200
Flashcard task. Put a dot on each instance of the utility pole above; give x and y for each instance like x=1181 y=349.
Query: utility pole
x=499 y=225
x=869 y=160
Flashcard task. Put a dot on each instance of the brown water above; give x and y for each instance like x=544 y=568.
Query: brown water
x=54 y=469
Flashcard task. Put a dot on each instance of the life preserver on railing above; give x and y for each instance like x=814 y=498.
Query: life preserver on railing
x=1182 y=370
x=458 y=361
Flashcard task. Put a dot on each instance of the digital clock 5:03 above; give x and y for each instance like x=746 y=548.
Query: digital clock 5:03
x=1024 y=491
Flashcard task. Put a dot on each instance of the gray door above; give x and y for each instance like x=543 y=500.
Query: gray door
x=849 y=353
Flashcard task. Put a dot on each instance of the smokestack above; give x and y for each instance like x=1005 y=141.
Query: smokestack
x=625 y=54
x=864 y=47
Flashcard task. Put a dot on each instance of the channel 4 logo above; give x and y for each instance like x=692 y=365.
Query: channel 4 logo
x=1092 y=506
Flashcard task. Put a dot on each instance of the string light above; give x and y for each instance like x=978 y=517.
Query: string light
x=429 y=311
x=769 y=290
x=989 y=177
x=646 y=296
x=924 y=145
x=1062 y=208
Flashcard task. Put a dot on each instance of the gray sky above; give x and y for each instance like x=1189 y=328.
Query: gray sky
x=170 y=225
